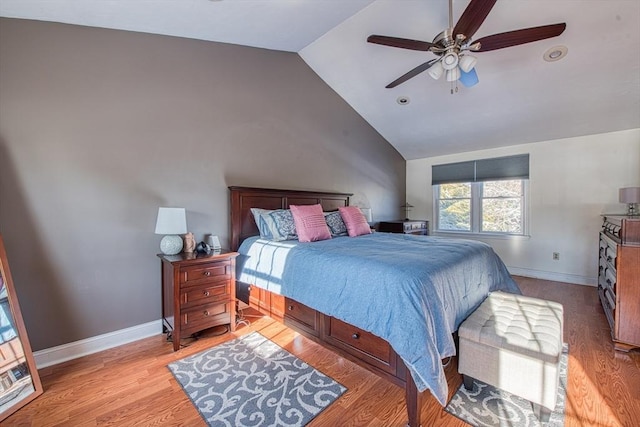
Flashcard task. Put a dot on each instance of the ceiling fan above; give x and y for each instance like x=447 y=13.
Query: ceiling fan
x=453 y=44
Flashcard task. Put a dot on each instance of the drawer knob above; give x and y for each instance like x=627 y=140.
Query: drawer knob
x=206 y=273
x=206 y=313
x=206 y=293
x=355 y=336
x=290 y=308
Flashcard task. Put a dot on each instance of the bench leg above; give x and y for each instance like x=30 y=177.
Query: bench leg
x=541 y=412
x=468 y=382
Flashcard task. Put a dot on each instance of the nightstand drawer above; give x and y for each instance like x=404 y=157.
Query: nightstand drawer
x=210 y=272
x=200 y=317
x=362 y=344
x=203 y=295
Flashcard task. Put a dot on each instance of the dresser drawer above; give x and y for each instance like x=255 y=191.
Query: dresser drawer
x=610 y=279
x=610 y=254
x=203 y=316
x=602 y=266
x=608 y=309
x=300 y=316
x=207 y=294
x=205 y=273
x=362 y=344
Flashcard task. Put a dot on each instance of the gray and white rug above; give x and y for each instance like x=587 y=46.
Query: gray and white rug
x=487 y=406
x=251 y=381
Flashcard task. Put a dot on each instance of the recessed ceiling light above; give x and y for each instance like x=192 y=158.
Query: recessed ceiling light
x=555 y=53
x=403 y=100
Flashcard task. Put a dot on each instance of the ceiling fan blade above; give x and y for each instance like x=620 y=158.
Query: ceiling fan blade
x=401 y=43
x=411 y=74
x=517 y=37
x=472 y=17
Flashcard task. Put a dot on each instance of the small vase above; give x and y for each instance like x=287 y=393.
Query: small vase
x=189 y=243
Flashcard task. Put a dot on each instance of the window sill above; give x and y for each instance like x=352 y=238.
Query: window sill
x=464 y=235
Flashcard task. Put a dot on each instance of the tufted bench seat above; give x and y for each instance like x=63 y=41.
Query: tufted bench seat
x=514 y=343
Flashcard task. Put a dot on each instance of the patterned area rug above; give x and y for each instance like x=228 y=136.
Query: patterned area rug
x=250 y=381
x=489 y=406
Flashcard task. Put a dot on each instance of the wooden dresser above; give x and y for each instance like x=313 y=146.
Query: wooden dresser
x=406 y=226
x=198 y=292
x=619 y=278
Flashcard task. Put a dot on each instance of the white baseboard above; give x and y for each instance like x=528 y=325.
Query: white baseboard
x=73 y=350
x=62 y=353
x=556 y=277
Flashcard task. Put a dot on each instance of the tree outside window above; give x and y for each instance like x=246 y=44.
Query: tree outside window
x=489 y=207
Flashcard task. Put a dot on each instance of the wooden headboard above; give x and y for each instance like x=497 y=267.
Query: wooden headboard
x=245 y=198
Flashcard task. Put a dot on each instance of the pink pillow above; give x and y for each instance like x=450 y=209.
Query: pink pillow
x=310 y=223
x=355 y=221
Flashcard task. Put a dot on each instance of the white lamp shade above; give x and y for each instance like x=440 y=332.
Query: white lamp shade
x=367 y=214
x=171 y=221
x=453 y=75
x=629 y=195
x=436 y=70
x=467 y=62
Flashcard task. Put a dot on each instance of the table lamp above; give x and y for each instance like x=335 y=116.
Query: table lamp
x=367 y=214
x=171 y=222
x=631 y=196
x=407 y=207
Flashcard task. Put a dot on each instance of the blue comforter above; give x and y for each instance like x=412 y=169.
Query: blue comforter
x=413 y=291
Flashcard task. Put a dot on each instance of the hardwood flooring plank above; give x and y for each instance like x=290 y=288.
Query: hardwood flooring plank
x=132 y=386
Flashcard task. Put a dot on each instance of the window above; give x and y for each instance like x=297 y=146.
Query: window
x=482 y=196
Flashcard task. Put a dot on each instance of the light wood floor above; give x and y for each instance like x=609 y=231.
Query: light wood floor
x=131 y=385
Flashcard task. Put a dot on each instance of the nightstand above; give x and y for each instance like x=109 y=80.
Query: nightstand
x=198 y=292
x=406 y=226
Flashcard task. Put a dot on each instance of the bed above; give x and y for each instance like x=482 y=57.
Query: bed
x=390 y=302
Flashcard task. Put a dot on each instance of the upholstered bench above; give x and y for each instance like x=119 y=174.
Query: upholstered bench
x=514 y=343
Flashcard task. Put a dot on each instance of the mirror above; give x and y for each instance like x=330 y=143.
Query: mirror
x=19 y=380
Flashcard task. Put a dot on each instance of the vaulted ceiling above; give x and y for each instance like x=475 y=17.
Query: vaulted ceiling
x=520 y=98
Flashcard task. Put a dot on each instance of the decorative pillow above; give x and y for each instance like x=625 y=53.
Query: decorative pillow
x=275 y=225
x=354 y=220
x=336 y=225
x=310 y=223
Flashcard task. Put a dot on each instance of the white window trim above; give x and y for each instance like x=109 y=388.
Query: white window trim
x=476 y=218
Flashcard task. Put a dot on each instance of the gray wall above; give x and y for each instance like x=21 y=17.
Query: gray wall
x=99 y=127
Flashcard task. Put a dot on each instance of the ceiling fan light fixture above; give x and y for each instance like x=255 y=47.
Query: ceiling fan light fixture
x=436 y=70
x=449 y=61
x=469 y=79
x=453 y=75
x=467 y=62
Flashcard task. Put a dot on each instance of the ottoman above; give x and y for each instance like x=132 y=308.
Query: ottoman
x=514 y=343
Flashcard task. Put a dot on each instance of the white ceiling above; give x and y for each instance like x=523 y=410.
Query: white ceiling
x=520 y=97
